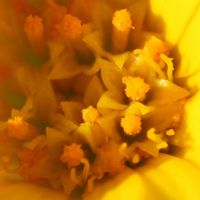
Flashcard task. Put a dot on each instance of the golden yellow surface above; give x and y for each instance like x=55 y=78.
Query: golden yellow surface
x=167 y=177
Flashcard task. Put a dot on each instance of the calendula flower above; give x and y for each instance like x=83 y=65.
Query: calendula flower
x=99 y=99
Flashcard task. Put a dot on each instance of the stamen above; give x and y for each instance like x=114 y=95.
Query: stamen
x=122 y=25
x=158 y=138
x=20 y=129
x=90 y=183
x=136 y=88
x=170 y=67
x=131 y=124
x=162 y=145
x=74 y=177
x=90 y=114
x=53 y=16
x=71 y=30
x=70 y=27
x=136 y=159
x=150 y=62
x=155 y=47
x=86 y=169
x=122 y=149
x=170 y=132
x=72 y=155
x=153 y=136
x=34 y=30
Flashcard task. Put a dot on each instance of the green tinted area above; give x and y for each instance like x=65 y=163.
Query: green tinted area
x=12 y=97
x=35 y=60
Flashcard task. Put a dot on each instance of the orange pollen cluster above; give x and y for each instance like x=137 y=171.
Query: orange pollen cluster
x=71 y=27
x=131 y=124
x=122 y=20
x=20 y=129
x=34 y=28
x=72 y=155
x=156 y=47
x=136 y=88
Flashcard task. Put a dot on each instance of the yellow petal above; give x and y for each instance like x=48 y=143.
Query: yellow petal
x=161 y=179
x=188 y=134
x=189 y=48
x=167 y=175
x=166 y=18
x=118 y=189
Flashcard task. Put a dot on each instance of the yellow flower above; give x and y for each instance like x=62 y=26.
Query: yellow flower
x=174 y=176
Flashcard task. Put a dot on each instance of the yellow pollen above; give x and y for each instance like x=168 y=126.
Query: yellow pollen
x=153 y=136
x=122 y=20
x=122 y=149
x=170 y=132
x=136 y=159
x=20 y=129
x=162 y=145
x=136 y=88
x=71 y=27
x=90 y=114
x=72 y=155
x=155 y=47
x=131 y=124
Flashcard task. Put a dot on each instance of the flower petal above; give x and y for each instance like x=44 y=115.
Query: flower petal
x=166 y=18
x=189 y=74
x=189 y=52
x=188 y=133
x=167 y=175
x=161 y=179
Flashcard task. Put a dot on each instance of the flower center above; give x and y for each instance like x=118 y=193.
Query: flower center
x=88 y=113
